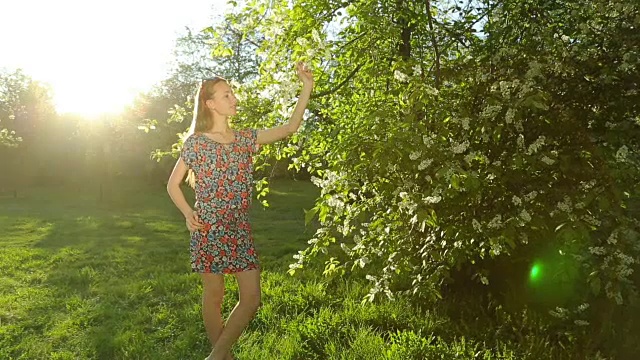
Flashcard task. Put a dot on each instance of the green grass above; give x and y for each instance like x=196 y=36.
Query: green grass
x=83 y=279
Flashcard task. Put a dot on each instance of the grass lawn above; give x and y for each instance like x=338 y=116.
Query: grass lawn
x=82 y=279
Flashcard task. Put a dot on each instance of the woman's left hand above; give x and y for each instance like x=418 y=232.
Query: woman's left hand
x=304 y=73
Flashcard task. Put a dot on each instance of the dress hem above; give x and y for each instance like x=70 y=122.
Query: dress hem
x=230 y=272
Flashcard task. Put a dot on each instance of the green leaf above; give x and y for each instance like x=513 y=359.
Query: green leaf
x=309 y=215
x=539 y=105
x=455 y=181
x=510 y=241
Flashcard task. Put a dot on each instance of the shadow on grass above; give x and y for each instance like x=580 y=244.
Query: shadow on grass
x=112 y=280
x=81 y=279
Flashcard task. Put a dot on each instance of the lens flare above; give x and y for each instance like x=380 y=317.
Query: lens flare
x=535 y=273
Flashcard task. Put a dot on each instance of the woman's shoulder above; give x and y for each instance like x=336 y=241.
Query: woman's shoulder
x=191 y=139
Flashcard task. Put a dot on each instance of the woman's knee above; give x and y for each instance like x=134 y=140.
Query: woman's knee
x=252 y=302
x=249 y=286
x=213 y=297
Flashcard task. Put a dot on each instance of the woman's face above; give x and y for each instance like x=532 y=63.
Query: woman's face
x=224 y=101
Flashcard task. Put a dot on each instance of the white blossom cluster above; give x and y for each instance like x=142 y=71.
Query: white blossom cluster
x=432 y=199
x=597 y=250
x=335 y=202
x=560 y=313
x=317 y=181
x=525 y=89
x=622 y=154
x=547 y=160
x=287 y=84
x=520 y=141
x=505 y=89
x=519 y=126
x=496 y=249
x=269 y=92
x=510 y=115
x=625 y=261
x=272 y=32
x=491 y=111
x=586 y=186
x=407 y=204
x=345 y=228
x=459 y=148
x=400 y=76
x=565 y=314
x=565 y=205
x=591 y=220
x=328 y=181
x=414 y=155
x=285 y=90
x=430 y=90
x=496 y=222
x=429 y=139
x=476 y=225
x=616 y=262
x=425 y=164
x=533 y=148
x=465 y=123
x=314 y=47
x=530 y=196
x=516 y=200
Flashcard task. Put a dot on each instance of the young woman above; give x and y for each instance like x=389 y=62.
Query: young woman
x=218 y=161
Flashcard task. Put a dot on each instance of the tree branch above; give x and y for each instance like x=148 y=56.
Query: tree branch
x=434 y=43
x=337 y=87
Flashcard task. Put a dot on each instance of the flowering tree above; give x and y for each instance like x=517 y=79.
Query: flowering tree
x=436 y=146
x=12 y=86
x=443 y=135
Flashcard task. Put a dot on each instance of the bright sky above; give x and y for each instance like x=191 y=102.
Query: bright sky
x=97 y=55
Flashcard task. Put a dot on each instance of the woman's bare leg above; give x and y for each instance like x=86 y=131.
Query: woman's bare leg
x=249 y=286
x=212 y=297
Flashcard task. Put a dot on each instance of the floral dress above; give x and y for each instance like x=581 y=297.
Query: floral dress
x=224 y=178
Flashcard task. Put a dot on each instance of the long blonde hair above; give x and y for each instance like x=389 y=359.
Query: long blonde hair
x=202 y=116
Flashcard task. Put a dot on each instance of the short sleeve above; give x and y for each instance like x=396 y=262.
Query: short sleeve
x=252 y=140
x=188 y=152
